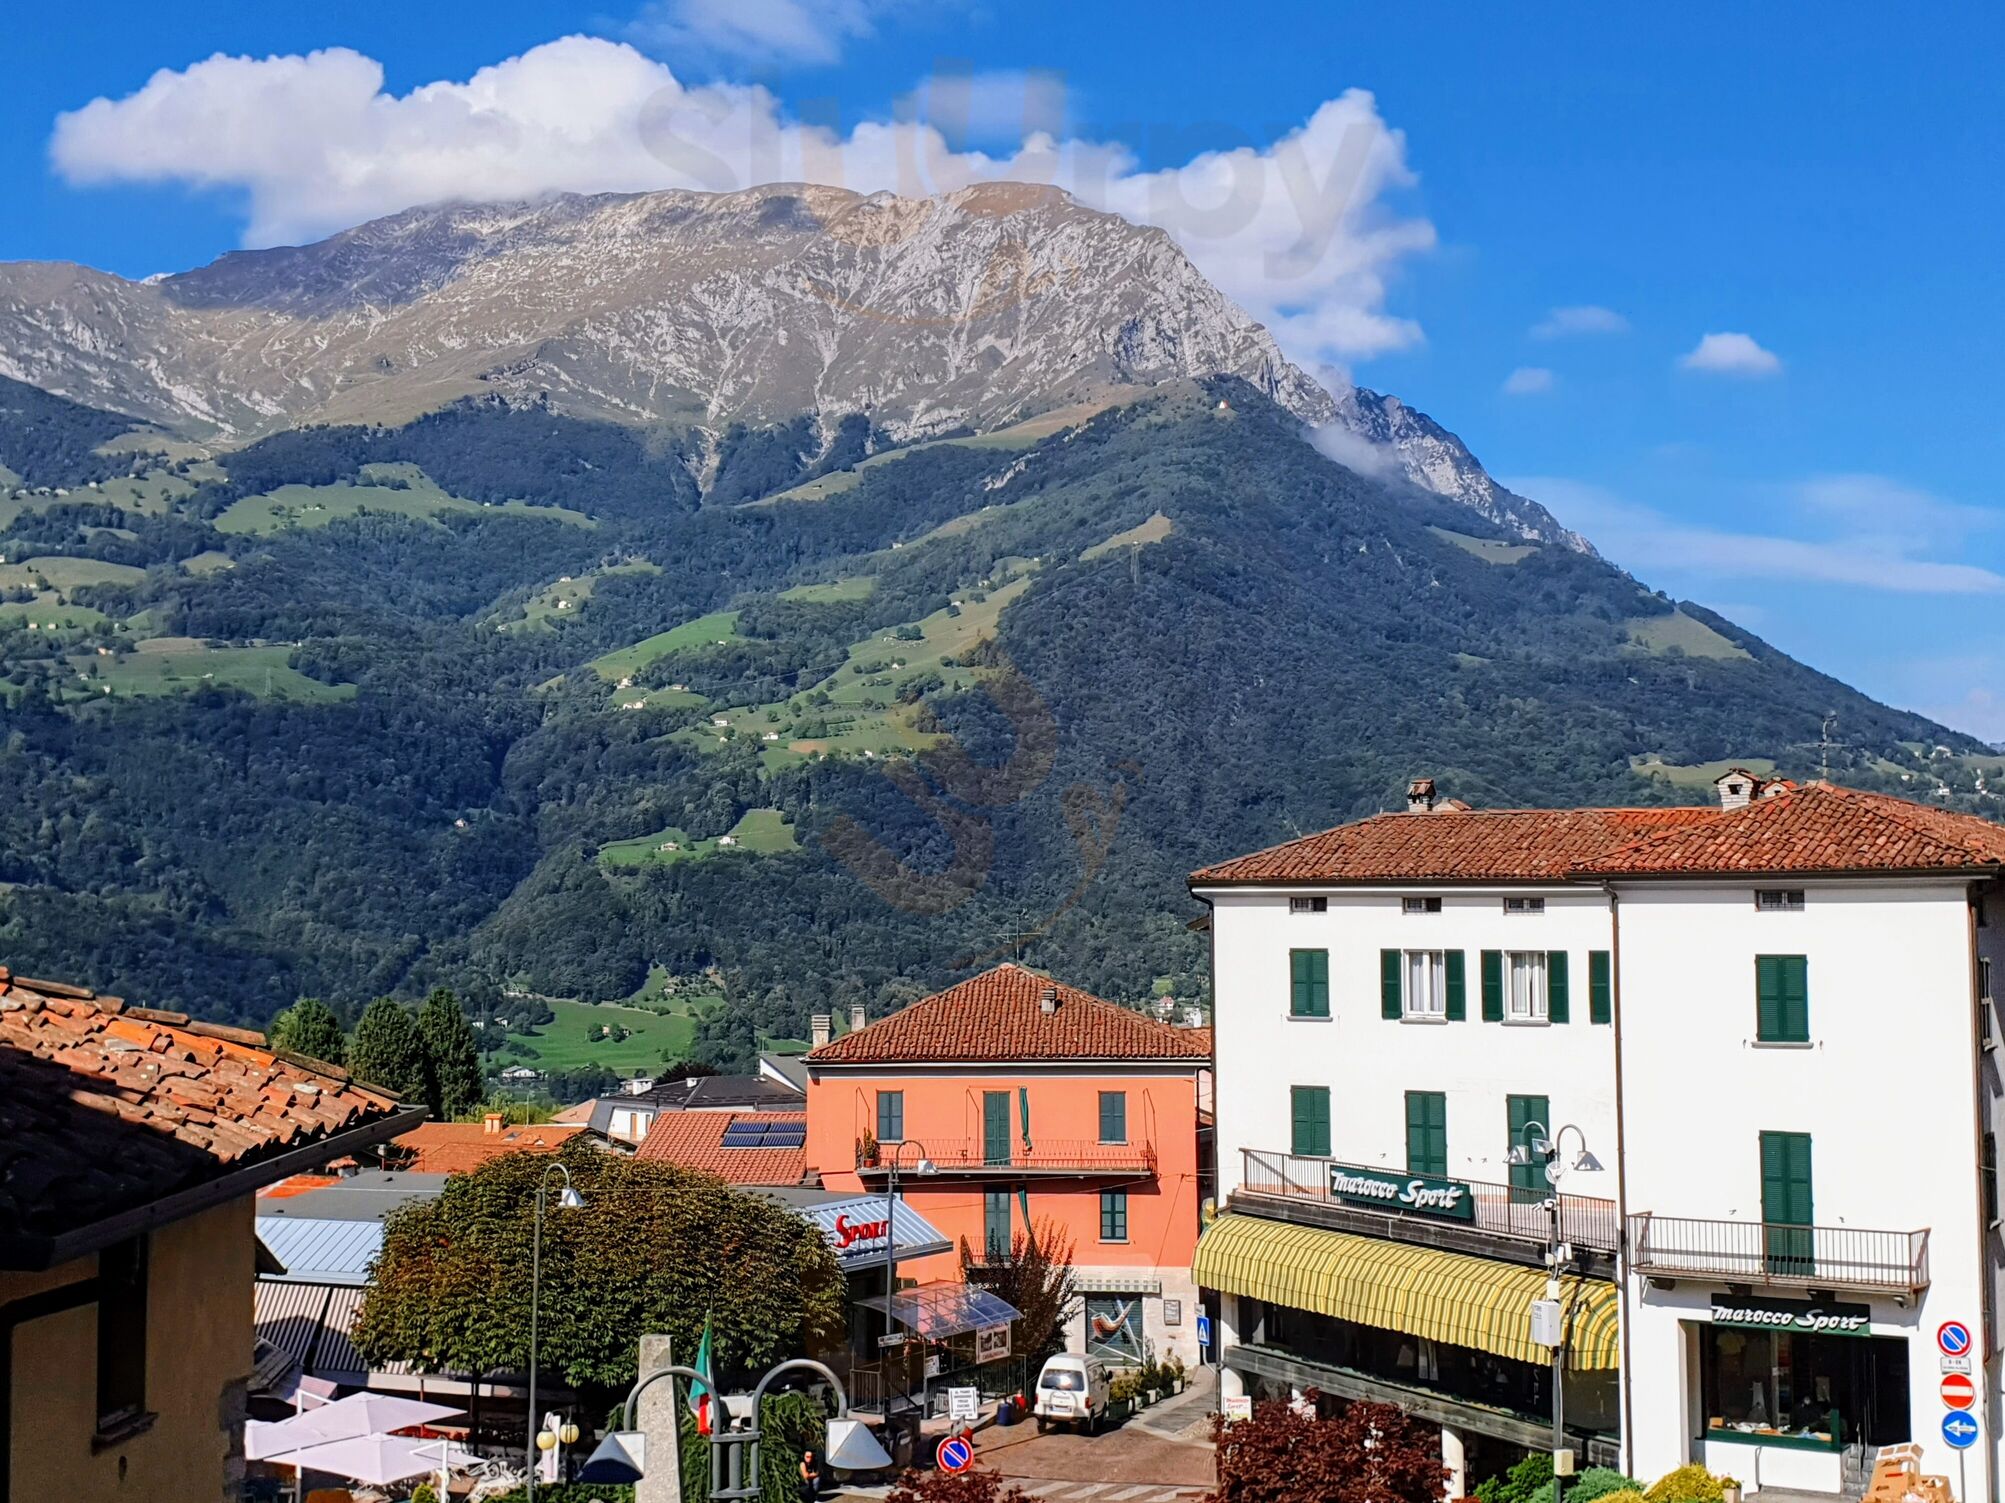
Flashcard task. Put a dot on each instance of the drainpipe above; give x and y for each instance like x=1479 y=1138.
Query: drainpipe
x=1218 y=1335
x=1622 y=1276
x=1984 y=1293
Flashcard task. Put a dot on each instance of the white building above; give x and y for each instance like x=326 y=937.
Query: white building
x=1767 y=1023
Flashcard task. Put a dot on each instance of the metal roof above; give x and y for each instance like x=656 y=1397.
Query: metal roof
x=369 y=1196
x=854 y=1227
x=321 y=1252
x=945 y=1309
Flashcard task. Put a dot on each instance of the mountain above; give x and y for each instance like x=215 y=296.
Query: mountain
x=775 y=670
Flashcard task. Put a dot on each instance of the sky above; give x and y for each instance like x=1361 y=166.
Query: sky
x=1716 y=283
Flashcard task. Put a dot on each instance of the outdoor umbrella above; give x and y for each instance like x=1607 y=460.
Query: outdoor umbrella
x=377 y=1459
x=358 y=1414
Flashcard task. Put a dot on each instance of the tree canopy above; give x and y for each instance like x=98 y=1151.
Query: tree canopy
x=1365 y=1453
x=387 y=1051
x=310 y=1027
x=453 y=1079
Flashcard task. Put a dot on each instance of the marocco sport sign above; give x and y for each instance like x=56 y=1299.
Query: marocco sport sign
x=1419 y=1193
x=1792 y=1315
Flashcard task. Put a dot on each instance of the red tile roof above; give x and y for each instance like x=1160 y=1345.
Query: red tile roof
x=998 y=1016
x=462 y=1147
x=106 y=1107
x=1816 y=828
x=1473 y=845
x=695 y=1140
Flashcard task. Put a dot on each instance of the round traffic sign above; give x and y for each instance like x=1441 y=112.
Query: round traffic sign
x=1959 y=1430
x=955 y=1454
x=1958 y=1392
x=1953 y=1336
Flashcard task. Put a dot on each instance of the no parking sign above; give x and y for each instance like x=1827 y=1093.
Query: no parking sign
x=955 y=1454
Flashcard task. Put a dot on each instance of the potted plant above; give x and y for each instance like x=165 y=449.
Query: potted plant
x=868 y=1154
x=1175 y=1367
x=1729 y=1490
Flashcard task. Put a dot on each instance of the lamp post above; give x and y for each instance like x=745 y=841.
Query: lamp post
x=923 y=1165
x=1536 y=1146
x=568 y=1199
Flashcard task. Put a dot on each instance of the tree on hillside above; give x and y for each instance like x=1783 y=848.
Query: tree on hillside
x=1368 y=1453
x=656 y=1247
x=386 y=1050
x=309 y=1027
x=453 y=1081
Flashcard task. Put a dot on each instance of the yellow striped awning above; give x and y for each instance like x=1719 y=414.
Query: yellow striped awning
x=1442 y=1296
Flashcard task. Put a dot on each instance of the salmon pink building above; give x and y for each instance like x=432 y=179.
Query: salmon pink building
x=1038 y=1106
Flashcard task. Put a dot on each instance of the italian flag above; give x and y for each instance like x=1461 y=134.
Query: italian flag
x=700 y=1392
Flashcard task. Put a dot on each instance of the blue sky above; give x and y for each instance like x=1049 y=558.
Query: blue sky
x=1775 y=392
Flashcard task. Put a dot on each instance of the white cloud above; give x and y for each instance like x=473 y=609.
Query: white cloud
x=1005 y=106
x=1731 y=355
x=1528 y=381
x=771 y=32
x=1354 y=451
x=1649 y=540
x=1584 y=318
x=1298 y=230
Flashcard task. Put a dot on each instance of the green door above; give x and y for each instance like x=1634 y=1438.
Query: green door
x=995 y=1127
x=1309 y=1121
x=1788 y=1245
x=1528 y=1181
x=1426 y=1132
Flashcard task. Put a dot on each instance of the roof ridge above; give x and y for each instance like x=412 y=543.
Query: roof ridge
x=1903 y=811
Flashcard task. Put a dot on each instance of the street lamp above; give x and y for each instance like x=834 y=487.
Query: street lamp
x=1535 y=1145
x=568 y=1199
x=924 y=1165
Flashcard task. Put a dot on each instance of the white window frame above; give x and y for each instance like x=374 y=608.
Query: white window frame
x=1526 y=995
x=1787 y=899
x=1420 y=905
x=1423 y=986
x=1519 y=906
x=1308 y=905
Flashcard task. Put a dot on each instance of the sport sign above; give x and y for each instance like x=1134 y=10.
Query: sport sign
x=1953 y=1336
x=1423 y=1194
x=955 y=1454
x=1958 y=1392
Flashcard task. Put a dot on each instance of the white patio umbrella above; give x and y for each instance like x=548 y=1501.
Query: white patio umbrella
x=358 y=1414
x=377 y=1459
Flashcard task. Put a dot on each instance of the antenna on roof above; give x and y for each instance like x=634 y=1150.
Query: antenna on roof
x=1824 y=746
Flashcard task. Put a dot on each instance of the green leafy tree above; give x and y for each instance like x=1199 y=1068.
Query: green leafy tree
x=310 y=1027
x=654 y=1248
x=453 y=1082
x=386 y=1050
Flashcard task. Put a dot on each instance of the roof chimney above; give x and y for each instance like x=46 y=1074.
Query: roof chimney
x=1047 y=1000
x=856 y=1017
x=1420 y=796
x=491 y=1122
x=1736 y=787
x=820 y=1026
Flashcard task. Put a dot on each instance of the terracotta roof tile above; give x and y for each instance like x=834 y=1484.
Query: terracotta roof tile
x=105 y=1107
x=695 y=1140
x=998 y=1016
x=462 y=1147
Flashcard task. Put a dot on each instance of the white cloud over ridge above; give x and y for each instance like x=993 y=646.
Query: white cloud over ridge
x=1528 y=381
x=1731 y=355
x=774 y=32
x=1298 y=230
x=1585 y=318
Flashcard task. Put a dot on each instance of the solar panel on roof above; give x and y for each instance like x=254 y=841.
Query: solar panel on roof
x=766 y=1135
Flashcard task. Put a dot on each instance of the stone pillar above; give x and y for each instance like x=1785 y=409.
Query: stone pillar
x=1456 y=1460
x=660 y=1418
x=1227 y=1336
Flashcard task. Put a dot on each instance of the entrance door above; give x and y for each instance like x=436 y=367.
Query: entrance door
x=995 y=1127
x=1528 y=1181
x=1788 y=1244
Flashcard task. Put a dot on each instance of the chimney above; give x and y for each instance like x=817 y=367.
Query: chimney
x=491 y=1122
x=820 y=1026
x=1420 y=796
x=1737 y=787
x=1047 y=1001
x=856 y=1018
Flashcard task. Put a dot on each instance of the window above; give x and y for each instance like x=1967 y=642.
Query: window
x=1525 y=998
x=1991 y=1178
x=1308 y=905
x=1600 y=988
x=1309 y=1121
x=1113 y=1116
x=1420 y=905
x=1113 y=1215
x=1524 y=905
x=1424 y=986
x=1779 y=899
x=995 y=1127
x=1309 y=983
x=1782 y=999
x=890 y=1116
x=121 y=1334
x=1984 y=978
x=1426 y=1132
x=1426 y=992
x=995 y=1224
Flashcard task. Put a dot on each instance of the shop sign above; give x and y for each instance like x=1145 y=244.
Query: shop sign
x=991 y=1343
x=1423 y=1194
x=1239 y=1407
x=1826 y=1319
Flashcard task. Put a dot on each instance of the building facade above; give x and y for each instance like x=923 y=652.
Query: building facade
x=1694 y=1024
x=1037 y=1107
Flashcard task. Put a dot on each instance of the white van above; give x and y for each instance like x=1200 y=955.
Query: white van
x=1072 y=1390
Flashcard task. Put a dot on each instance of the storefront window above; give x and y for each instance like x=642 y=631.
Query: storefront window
x=1804 y=1388
x=1114 y=1327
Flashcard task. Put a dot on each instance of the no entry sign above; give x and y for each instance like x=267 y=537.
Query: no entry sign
x=1958 y=1392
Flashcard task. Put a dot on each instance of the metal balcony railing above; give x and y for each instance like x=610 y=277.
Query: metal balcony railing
x=1504 y=1210
x=1755 y=1252
x=1054 y=1156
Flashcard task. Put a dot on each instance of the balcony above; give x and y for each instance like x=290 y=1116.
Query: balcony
x=1495 y=1220
x=1766 y=1254
x=974 y=1158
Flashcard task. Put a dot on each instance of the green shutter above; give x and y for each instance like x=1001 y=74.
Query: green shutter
x=1310 y=1109
x=1781 y=999
x=1458 y=1002
x=1493 y=986
x=1388 y=983
x=1528 y=1181
x=1557 y=1005
x=1309 y=983
x=1426 y=1132
x=1786 y=1206
x=1600 y=997
x=1113 y=1116
x=995 y=1127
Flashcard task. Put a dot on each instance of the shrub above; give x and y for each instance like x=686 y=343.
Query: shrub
x=1520 y=1482
x=953 y=1487
x=1691 y=1483
x=1594 y=1483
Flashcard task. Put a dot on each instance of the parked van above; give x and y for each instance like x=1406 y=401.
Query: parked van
x=1072 y=1390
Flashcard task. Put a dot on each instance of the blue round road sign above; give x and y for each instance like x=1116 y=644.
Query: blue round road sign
x=1959 y=1430
x=1953 y=1336
x=957 y=1453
